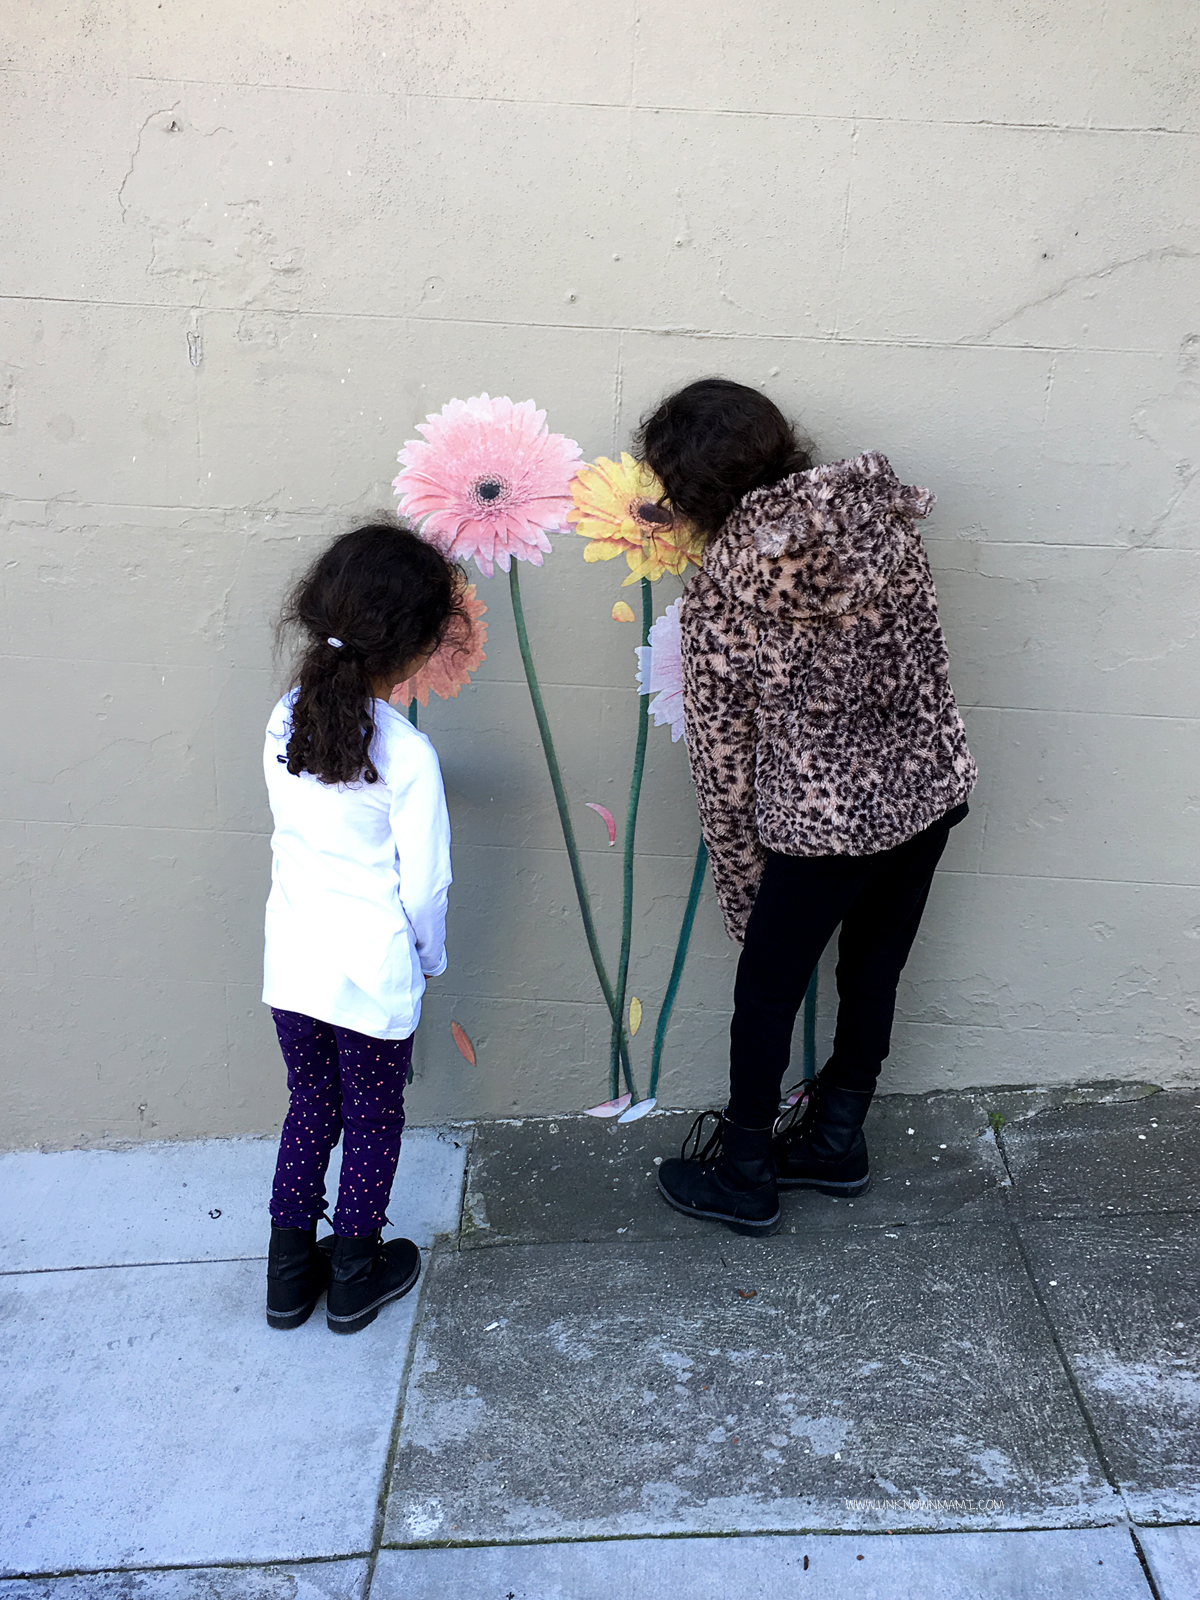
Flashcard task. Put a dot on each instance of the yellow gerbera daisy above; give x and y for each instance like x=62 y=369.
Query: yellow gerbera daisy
x=616 y=507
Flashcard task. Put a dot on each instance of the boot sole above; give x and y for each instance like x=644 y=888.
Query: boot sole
x=823 y=1186
x=362 y=1319
x=756 y=1230
x=292 y=1319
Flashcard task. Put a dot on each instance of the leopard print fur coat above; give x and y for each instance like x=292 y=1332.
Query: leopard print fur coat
x=818 y=708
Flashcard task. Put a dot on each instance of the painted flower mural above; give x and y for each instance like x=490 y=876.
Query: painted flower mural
x=617 y=508
x=660 y=671
x=449 y=669
x=487 y=481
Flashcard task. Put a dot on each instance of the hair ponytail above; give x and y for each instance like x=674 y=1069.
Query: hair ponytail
x=377 y=599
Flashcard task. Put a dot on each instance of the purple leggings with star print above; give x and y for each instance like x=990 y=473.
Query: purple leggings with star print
x=339 y=1081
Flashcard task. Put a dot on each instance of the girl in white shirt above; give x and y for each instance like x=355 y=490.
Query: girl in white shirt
x=356 y=919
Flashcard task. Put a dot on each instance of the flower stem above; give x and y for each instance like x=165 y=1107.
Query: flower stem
x=810 y=1029
x=635 y=795
x=564 y=817
x=681 y=954
x=412 y=711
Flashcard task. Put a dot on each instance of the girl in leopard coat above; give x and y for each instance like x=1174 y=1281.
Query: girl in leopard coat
x=830 y=764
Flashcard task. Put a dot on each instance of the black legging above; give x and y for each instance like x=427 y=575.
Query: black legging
x=878 y=900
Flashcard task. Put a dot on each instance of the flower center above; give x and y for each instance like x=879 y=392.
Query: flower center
x=649 y=511
x=488 y=490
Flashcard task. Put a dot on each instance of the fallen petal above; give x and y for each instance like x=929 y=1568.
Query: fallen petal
x=642 y=1109
x=622 y=612
x=609 y=1108
x=465 y=1047
x=635 y=1015
x=610 y=822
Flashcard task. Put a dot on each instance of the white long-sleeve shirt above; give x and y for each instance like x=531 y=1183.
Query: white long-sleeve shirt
x=360 y=873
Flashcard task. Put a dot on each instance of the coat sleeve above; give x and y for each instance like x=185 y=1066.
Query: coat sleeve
x=720 y=708
x=421 y=829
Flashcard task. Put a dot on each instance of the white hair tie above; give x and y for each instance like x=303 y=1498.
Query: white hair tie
x=336 y=643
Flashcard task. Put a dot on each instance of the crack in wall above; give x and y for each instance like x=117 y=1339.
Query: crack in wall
x=1170 y=252
x=165 y=111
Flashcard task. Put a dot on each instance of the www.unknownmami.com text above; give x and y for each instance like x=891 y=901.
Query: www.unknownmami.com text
x=924 y=1505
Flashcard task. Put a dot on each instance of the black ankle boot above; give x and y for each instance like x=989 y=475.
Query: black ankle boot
x=730 y=1179
x=367 y=1274
x=819 y=1142
x=297 y=1274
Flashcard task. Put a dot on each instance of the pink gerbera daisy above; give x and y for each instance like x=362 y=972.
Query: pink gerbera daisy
x=489 y=481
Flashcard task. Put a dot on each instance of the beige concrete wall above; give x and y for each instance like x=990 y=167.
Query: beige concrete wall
x=244 y=248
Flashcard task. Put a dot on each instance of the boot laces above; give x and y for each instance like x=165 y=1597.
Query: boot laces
x=696 y=1147
x=799 y=1111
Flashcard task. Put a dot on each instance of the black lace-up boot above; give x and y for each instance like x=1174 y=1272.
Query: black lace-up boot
x=367 y=1274
x=819 y=1141
x=297 y=1275
x=728 y=1179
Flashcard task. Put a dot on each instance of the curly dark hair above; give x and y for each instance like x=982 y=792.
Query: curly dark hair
x=713 y=441
x=389 y=598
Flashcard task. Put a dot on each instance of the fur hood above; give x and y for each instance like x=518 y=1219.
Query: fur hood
x=817 y=544
x=816 y=684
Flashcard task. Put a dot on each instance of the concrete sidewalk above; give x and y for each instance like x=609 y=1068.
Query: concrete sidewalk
x=979 y=1379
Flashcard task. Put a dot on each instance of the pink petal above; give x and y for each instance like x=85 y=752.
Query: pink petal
x=610 y=822
x=609 y=1108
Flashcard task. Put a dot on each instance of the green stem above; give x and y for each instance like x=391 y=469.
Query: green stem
x=412 y=711
x=810 y=1028
x=635 y=795
x=564 y=815
x=681 y=954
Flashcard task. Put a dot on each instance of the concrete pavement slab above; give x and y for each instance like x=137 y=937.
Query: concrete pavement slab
x=933 y=1157
x=1122 y=1294
x=1114 y=1158
x=315 y=1580
x=1096 y=1563
x=1174 y=1557
x=153 y=1418
x=197 y=1200
x=874 y=1379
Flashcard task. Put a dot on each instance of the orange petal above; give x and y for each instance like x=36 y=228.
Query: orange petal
x=610 y=822
x=622 y=612
x=465 y=1047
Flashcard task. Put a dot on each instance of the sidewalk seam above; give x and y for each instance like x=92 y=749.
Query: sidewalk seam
x=230 y=1565
x=1134 y=1531
x=1069 y=1373
x=683 y=1535
x=385 y=1485
x=130 y=1266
